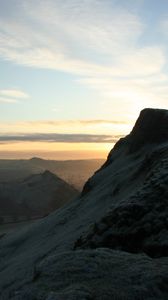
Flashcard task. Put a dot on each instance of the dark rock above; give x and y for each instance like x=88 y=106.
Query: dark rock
x=150 y=128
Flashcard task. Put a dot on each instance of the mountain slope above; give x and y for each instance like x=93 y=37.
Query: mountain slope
x=122 y=213
x=33 y=197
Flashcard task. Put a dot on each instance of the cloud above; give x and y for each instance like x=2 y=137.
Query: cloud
x=40 y=123
x=59 y=138
x=75 y=36
x=138 y=92
x=12 y=96
x=13 y=93
x=74 y=122
x=97 y=41
x=8 y=100
x=103 y=127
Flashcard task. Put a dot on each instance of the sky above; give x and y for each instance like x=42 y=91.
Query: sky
x=75 y=74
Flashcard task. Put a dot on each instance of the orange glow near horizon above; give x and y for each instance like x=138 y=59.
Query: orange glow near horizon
x=60 y=151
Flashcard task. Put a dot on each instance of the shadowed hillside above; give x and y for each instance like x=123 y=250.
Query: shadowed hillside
x=34 y=197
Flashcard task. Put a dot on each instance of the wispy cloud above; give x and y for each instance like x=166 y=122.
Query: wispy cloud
x=148 y=89
x=104 y=127
x=74 y=122
x=59 y=138
x=8 y=100
x=81 y=32
x=13 y=93
x=12 y=96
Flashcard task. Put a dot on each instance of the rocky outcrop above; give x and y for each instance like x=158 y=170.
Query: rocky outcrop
x=111 y=242
x=97 y=274
x=138 y=223
x=150 y=128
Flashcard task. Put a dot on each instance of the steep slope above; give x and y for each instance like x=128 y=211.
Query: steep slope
x=122 y=213
x=33 y=197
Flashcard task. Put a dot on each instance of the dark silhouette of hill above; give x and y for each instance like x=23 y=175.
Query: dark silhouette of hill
x=111 y=242
x=75 y=172
x=34 y=197
x=12 y=170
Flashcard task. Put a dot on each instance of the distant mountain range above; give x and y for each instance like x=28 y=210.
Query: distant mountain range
x=33 y=197
x=75 y=172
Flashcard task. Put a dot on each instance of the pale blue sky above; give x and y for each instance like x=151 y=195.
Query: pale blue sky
x=81 y=60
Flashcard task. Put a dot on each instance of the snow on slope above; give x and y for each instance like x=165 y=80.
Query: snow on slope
x=122 y=214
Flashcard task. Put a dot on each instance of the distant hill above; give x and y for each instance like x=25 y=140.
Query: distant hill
x=34 y=197
x=11 y=169
x=75 y=172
